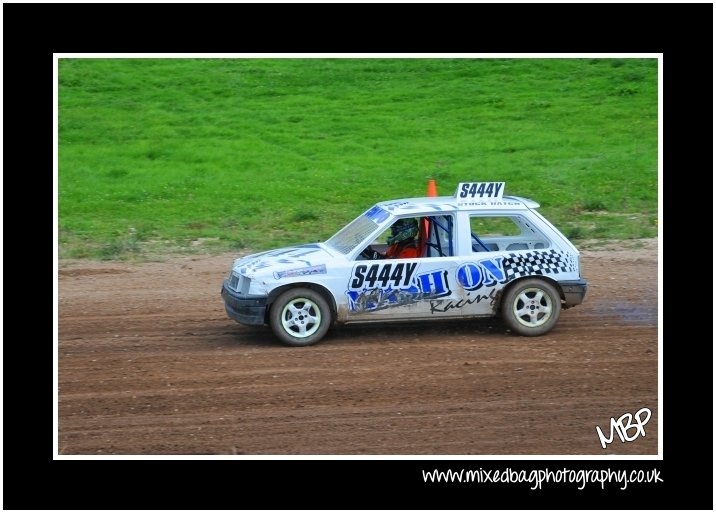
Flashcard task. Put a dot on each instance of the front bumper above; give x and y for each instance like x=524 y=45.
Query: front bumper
x=244 y=309
x=574 y=292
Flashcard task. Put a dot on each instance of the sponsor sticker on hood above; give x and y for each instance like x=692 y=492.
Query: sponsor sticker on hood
x=304 y=271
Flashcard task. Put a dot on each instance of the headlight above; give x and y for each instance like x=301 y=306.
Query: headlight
x=239 y=283
x=234 y=281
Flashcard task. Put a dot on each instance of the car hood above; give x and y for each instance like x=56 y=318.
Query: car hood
x=285 y=262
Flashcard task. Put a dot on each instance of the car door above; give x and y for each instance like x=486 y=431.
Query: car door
x=407 y=288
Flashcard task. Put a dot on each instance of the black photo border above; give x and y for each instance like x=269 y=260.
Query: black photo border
x=34 y=32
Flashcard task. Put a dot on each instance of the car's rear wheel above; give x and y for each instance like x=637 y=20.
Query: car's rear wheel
x=531 y=307
x=300 y=317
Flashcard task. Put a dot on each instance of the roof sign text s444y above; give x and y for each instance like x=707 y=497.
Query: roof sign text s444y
x=481 y=190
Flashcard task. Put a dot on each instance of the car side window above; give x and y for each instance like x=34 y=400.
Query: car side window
x=438 y=236
x=505 y=233
x=414 y=237
x=400 y=240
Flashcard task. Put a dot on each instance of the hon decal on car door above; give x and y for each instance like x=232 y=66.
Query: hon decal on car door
x=398 y=287
x=476 y=286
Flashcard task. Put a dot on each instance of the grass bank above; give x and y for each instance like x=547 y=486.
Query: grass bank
x=173 y=155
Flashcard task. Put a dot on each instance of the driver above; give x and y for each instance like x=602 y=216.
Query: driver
x=402 y=242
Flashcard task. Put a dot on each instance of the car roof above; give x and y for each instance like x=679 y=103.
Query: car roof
x=450 y=203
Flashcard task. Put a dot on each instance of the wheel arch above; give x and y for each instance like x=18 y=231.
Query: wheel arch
x=519 y=280
x=323 y=291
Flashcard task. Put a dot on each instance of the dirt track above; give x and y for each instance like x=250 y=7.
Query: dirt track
x=150 y=364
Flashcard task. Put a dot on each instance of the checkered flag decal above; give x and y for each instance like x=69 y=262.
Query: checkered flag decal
x=537 y=262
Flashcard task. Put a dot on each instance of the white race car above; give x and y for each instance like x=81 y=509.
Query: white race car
x=475 y=254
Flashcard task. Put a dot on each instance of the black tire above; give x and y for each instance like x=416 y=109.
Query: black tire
x=531 y=307
x=300 y=317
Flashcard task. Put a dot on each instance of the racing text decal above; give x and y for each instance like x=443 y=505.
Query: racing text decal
x=383 y=285
x=487 y=272
x=377 y=286
x=383 y=273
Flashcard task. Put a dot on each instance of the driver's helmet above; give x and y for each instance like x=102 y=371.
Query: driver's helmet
x=403 y=229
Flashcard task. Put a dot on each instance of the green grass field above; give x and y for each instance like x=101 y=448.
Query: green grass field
x=176 y=155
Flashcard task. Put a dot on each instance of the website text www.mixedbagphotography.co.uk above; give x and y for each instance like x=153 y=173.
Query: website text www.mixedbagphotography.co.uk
x=537 y=478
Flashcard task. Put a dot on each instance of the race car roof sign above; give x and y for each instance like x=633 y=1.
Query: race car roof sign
x=479 y=190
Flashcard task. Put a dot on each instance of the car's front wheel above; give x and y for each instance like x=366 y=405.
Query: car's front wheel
x=300 y=317
x=531 y=307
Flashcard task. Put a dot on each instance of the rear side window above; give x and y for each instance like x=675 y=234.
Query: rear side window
x=505 y=233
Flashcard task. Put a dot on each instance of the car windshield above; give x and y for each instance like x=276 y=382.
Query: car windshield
x=355 y=232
